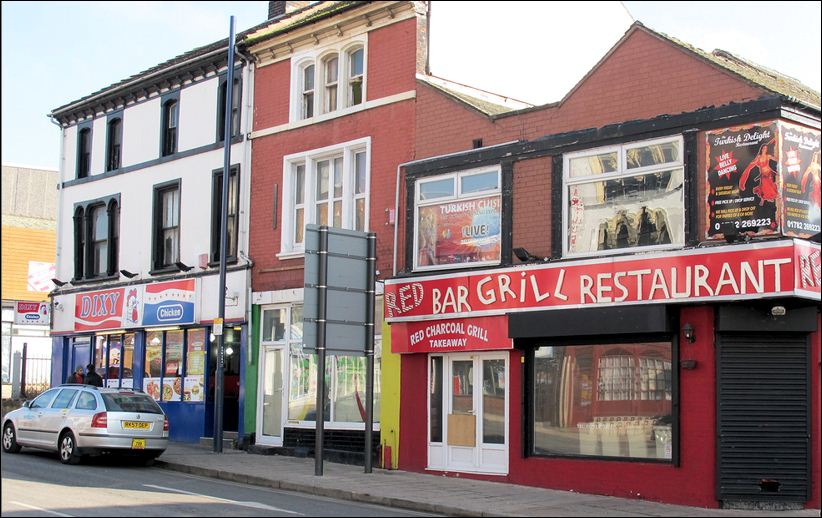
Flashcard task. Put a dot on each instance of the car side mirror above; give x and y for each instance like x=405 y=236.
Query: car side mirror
x=27 y=404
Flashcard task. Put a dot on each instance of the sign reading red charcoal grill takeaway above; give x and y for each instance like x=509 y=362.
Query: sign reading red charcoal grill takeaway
x=749 y=271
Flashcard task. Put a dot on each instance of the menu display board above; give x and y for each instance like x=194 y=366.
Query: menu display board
x=801 y=182
x=743 y=187
x=194 y=389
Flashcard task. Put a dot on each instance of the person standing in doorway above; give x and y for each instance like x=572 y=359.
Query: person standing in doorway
x=92 y=378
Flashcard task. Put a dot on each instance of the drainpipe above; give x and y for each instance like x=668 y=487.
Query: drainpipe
x=60 y=171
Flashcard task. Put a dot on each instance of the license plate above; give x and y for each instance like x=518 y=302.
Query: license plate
x=138 y=444
x=136 y=425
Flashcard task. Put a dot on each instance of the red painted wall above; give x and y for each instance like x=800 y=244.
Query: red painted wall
x=390 y=70
x=691 y=483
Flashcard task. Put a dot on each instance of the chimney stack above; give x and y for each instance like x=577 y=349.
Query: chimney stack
x=276 y=9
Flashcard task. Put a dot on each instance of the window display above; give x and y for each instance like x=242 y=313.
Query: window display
x=611 y=400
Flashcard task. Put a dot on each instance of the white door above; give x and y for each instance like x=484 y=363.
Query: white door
x=271 y=393
x=475 y=410
x=271 y=396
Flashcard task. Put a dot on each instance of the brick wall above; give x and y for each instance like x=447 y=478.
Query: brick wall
x=533 y=211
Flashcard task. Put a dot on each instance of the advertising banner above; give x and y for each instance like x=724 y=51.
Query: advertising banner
x=34 y=313
x=169 y=303
x=743 y=184
x=99 y=310
x=754 y=270
x=801 y=182
x=459 y=232
x=475 y=334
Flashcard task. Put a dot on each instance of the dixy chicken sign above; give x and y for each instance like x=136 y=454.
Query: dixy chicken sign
x=783 y=268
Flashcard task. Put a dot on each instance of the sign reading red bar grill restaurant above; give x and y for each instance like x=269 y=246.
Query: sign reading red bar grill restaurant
x=439 y=336
x=755 y=270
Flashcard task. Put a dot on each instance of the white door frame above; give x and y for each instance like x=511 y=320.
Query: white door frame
x=264 y=348
x=481 y=458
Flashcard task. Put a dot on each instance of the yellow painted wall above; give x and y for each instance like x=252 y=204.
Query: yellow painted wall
x=21 y=245
x=390 y=398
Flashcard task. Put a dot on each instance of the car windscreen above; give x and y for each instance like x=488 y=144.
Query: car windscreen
x=130 y=402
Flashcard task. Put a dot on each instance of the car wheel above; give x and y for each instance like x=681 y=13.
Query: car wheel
x=69 y=453
x=10 y=439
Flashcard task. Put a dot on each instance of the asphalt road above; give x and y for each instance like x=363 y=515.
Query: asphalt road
x=35 y=483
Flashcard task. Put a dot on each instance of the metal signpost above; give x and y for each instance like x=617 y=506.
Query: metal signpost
x=218 y=373
x=340 y=274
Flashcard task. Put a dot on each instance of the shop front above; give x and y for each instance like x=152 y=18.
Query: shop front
x=151 y=337
x=638 y=376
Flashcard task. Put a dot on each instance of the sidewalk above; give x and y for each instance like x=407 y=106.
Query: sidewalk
x=419 y=492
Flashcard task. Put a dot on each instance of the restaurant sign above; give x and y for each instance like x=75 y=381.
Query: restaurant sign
x=160 y=303
x=727 y=272
x=440 y=336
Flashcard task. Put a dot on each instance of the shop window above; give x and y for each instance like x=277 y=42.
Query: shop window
x=603 y=401
x=628 y=196
x=166 y=226
x=175 y=365
x=232 y=220
x=344 y=375
x=114 y=357
x=458 y=220
x=435 y=400
x=326 y=187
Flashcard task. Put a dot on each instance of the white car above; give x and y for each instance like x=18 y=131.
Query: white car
x=78 y=420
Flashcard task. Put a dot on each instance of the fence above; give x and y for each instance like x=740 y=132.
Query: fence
x=30 y=376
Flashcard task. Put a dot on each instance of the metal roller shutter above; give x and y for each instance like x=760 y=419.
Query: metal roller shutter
x=763 y=426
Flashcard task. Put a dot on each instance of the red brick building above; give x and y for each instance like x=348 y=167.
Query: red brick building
x=617 y=293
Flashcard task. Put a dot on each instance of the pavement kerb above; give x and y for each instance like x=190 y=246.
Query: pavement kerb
x=341 y=494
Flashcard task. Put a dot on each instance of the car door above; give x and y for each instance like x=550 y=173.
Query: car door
x=29 y=425
x=53 y=417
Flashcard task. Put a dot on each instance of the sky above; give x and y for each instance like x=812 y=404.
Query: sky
x=57 y=52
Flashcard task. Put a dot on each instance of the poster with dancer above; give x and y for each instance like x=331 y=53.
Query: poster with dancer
x=743 y=184
x=800 y=181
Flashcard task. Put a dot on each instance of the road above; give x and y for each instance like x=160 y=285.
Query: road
x=36 y=484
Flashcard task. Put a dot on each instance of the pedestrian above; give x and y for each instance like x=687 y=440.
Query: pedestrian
x=76 y=376
x=92 y=378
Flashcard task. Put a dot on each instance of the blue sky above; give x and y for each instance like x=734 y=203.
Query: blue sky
x=56 y=52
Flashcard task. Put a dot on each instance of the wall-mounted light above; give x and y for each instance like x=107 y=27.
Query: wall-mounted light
x=688 y=332
x=526 y=257
x=57 y=282
x=129 y=274
x=778 y=311
x=229 y=351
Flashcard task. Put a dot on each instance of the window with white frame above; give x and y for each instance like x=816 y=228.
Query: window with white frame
x=328 y=81
x=326 y=186
x=627 y=196
x=458 y=220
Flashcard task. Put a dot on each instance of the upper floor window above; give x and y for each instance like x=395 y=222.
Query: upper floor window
x=329 y=82
x=114 y=139
x=307 y=88
x=331 y=73
x=235 y=108
x=84 y=152
x=170 y=122
x=96 y=238
x=458 y=220
x=355 y=76
x=624 y=196
x=232 y=217
x=326 y=187
x=166 y=226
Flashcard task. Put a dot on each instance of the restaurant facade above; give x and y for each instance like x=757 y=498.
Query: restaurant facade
x=628 y=305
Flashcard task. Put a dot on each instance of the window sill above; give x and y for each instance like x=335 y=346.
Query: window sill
x=291 y=255
x=163 y=271
x=228 y=261
x=92 y=280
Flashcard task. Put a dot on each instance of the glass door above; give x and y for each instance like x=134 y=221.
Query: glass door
x=271 y=381
x=475 y=406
